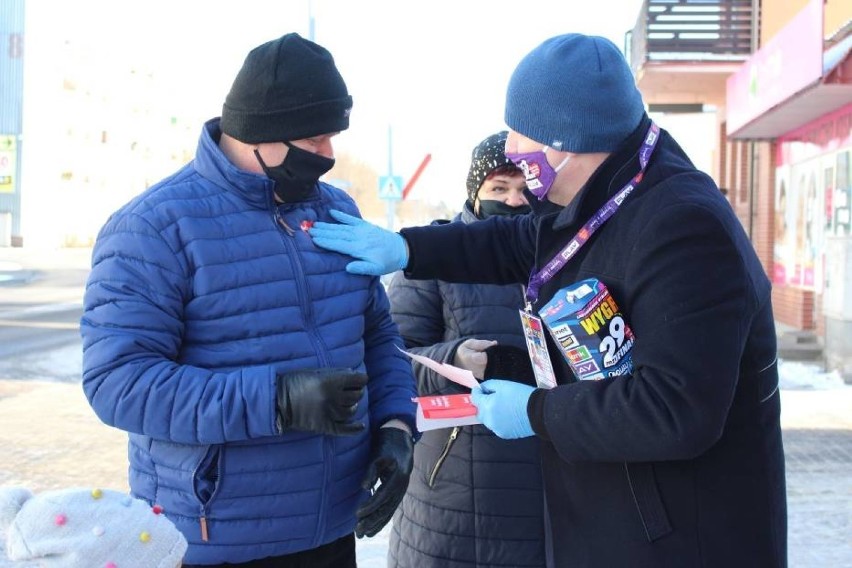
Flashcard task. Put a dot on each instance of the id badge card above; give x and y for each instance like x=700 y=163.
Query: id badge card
x=537 y=347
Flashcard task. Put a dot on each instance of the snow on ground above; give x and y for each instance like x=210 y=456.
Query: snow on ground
x=812 y=398
x=807 y=376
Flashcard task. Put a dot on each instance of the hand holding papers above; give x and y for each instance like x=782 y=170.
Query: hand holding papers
x=446 y=411
x=456 y=374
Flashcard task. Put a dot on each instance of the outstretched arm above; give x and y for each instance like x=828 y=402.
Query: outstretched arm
x=494 y=251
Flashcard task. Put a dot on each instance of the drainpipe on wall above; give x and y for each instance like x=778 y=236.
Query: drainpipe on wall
x=752 y=187
x=752 y=145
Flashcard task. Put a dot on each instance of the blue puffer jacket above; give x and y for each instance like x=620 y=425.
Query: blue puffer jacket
x=200 y=293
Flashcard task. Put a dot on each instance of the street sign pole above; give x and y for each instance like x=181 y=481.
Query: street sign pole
x=390 y=186
x=391 y=203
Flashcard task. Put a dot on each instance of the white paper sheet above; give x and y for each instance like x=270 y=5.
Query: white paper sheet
x=456 y=374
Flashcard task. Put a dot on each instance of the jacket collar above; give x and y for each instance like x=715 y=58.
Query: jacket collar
x=610 y=177
x=467 y=215
x=213 y=165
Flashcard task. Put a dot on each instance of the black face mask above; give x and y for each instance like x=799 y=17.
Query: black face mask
x=296 y=177
x=490 y=208
x=546 y=207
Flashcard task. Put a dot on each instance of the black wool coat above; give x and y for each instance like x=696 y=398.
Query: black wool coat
x=473 y=500
x=681 y=463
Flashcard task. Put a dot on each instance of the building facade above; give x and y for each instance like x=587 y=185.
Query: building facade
x=85 y=124
x=778 y=75
x=11 y=101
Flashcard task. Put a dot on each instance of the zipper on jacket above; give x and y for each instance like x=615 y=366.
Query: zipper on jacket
x=319 y=349
x=279 y=220
x=444 y=453
x=328 y=459
x=301 y=284
x=209 y=469
x=276 y=216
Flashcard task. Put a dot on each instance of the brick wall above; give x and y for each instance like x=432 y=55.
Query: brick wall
x=755 y=208
x=819 y=318
x=796 y=307
x=763 y=233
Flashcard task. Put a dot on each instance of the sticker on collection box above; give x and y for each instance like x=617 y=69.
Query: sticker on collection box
x=590 y=330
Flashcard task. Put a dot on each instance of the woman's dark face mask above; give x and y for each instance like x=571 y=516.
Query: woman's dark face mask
x=542 y=208
x=492 y=207
x=297 y=176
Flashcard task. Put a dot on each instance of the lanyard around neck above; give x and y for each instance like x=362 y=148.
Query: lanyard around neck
x=558 y=262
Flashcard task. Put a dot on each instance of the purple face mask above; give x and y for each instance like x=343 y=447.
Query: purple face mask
x=537 y=170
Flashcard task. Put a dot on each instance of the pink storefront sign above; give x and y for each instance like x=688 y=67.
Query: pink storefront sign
x=787 y=64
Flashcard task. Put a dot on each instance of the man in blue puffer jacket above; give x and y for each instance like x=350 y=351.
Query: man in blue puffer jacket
x=261 y=384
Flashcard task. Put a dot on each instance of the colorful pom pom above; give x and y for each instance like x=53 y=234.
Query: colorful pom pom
x=60 y=519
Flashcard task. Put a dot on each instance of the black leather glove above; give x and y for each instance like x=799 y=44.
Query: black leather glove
x=320 y=400
x=391 y=461
x=510 y=363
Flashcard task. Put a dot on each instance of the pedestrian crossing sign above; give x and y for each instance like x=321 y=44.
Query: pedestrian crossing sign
x=390 y=187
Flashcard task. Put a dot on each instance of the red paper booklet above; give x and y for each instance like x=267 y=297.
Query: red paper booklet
x=445 y=411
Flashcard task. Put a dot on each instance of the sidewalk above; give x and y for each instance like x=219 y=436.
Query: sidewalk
x=29 y=277
x=817 y=427
x=52 y=439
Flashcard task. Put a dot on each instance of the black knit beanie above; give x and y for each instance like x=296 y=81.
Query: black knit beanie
x=487 y=156
x=287 y=89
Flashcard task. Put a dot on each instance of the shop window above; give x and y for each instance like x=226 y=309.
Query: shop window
x=841 y=202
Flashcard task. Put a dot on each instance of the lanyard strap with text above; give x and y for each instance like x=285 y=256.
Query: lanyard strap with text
x=609 y=208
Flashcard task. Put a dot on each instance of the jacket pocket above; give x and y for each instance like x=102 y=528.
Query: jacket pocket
x=205 y=479
x=454 y=433
x=646 y=496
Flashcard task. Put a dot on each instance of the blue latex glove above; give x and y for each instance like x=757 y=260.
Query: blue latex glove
x=502 y=408
x=378 y=250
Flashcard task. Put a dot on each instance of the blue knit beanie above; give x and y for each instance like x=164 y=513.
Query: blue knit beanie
x=574 y=93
